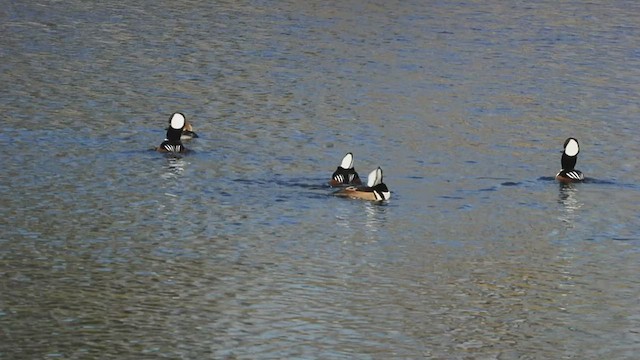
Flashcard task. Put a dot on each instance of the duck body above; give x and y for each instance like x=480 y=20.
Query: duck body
x=187 y=132
x=172 y=147
x=345 y=173
x=568 y=173
x=570 y=176
x=376 y=193
x=375 y=190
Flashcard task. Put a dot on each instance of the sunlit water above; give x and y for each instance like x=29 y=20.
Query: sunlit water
x=111 y=250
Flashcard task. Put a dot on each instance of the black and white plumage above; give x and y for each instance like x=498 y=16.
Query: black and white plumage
x=374 y=181
x=187 y=130
x=188 y=134
x=345 y=174
x=569 y=174
x=573 y=175
x=176 y=148
x=172 y=143
x=375 y=190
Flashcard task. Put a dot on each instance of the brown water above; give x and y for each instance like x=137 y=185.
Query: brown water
x=238 y=251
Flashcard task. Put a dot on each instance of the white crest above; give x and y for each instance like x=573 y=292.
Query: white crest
x=572 y=148
x=177 y=121
x=374 y=178
x=347 y=161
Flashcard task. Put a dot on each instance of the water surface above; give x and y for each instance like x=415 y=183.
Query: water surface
x=238 y=251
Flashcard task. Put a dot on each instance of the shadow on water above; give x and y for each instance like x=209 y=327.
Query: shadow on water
x=314 y=188
x=511 y=183
x=304 y=183
x=287 y=189
x=590 y=180
x=300 y=183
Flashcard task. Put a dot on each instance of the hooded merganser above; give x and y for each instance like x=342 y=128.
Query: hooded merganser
x=345 y=174
x=187 y=132
x=172 y=143
x=569 y=174
x=375 y=190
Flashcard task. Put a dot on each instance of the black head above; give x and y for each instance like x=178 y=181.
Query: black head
x=570 y=153
x=176 y=124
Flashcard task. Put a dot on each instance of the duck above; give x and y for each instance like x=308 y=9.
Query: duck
x=375 y=190
x=568 y=173
x=172 y=143
x=345 y=174
x=187 y=132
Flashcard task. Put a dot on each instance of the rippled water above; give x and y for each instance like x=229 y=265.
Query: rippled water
x=110 y=250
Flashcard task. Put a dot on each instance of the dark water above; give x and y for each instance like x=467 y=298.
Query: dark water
x=238 y=251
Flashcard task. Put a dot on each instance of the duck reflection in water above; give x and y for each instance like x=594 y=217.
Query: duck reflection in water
x=175 y=167
x=368 y=224
x=375 y=216
x=568 y=198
